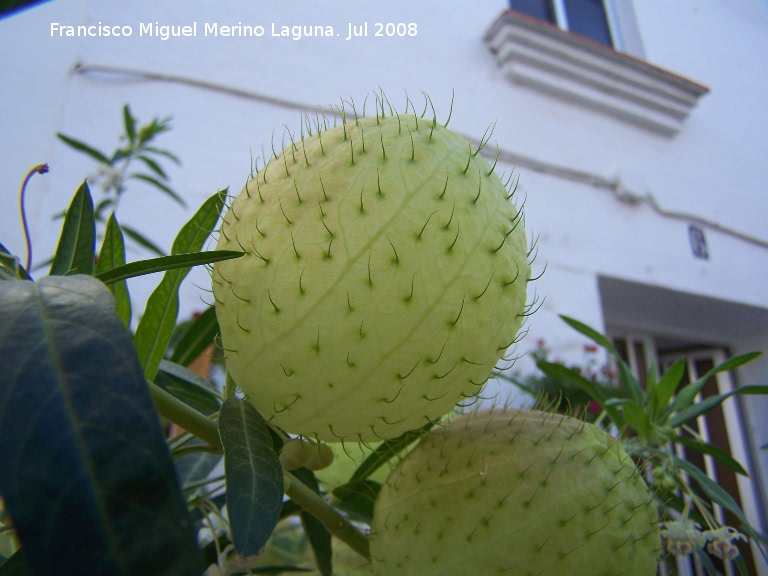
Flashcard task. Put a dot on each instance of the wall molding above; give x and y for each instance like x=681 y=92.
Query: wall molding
x=543 y=57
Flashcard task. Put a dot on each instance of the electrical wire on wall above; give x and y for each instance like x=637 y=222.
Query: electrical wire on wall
x=612 y=185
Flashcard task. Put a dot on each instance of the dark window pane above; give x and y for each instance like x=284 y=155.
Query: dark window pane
x=539 y=9
x=588 y=18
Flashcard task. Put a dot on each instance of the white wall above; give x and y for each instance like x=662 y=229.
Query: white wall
x=715 y=169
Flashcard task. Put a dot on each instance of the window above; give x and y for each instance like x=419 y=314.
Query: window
x=590 y=18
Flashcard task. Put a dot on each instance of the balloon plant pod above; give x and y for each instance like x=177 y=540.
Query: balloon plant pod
x=385 y=277
x=510 y=491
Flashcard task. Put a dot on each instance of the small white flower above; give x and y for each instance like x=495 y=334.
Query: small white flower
x=681 y=537
x=720 y=542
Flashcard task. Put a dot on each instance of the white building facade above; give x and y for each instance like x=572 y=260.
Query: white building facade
x=637 y=128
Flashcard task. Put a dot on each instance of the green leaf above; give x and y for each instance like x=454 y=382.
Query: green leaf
x=718 y=454
x=712 y=489
x=77 y=244
x=695 y=410
x=16 y=565
x=142 y=240
x=172 y=157
x=10 y=267
x=688 y=394
x=152 y=165
x=155 y=328
x=198 y=337
x=631 y=385
x=190 y=388
x=112 y=256
x=254 y=475
x=387 y=450
x=196 y=467
x=357 y=498
x=163 y=187
x=567 y=374
x=637 y=418
x=85 y=149
x=87 y=477
x=130 y=124
x=163 y=263
x=670 y=380
x=318 y=536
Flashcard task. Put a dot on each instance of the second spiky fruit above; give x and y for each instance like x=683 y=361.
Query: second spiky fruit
x=385 y=276
x=515 y=492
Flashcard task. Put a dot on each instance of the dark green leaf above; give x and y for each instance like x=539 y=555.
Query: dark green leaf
x=163 y=187
x=142 y=240
x=155 y=328
x=85 y=149
x=695 y=410
x=667 y=385
x=631 y=385
x=190 y=388
x=154 y=166
x=10 y=267
x=712 y=489
x=637 y=418
x=567 y=374
x=172 y=157
x=112 y=256
x=77 y=244
x=16 y=565
x=163 y=263
x=198 y=337
x=87 y=477
x=277 y=569
x=719 y=455
x=688 y=394
x=387 y=450
x=357 y=498
x=196 y=467
x=318 y=535
x=129 y=122
x=254 y=475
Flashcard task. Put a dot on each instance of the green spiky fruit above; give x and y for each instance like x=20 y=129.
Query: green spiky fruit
x=385 y=276
x=515 y=492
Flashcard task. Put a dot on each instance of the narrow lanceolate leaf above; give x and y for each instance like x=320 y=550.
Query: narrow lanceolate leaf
x=712 y=450
x=156 y=325
x=254 y=475
x=163 y=263
x=142 y=240
x=129 y=122
x=631 y=385
x=687 y=395
x=386 y=451
x=162 y=186
x=86 y=474
x=111 y=257
x=667 y=385
x=10 y=267
x=197 y=338
x=84 y=148
x=318 y=536
x=192 y=389
x=712 y=489
x=75 y=252
x=564 y=373
x=695 y=410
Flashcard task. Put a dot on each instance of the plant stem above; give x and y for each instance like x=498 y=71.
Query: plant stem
x=179 y=413
x=39 y=169
x=207 y=430
x=334 y=522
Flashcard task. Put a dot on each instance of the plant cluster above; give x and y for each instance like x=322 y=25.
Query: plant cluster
x=265 y=467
